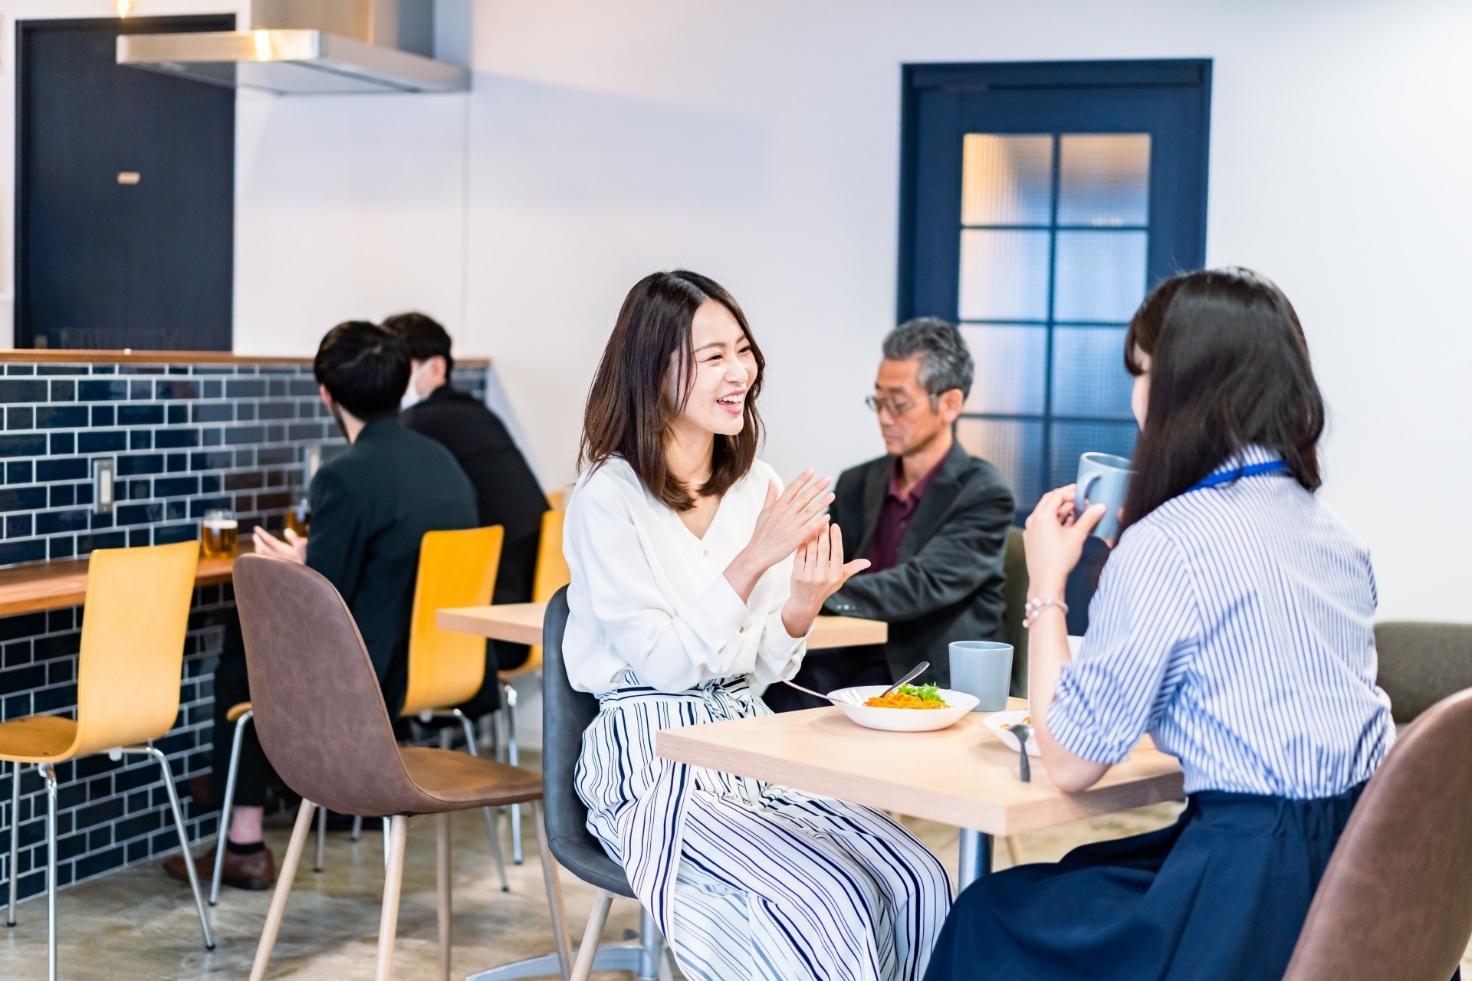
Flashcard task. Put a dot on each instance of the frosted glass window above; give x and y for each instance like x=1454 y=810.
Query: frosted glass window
x=1104 y=180
x=1072 y=440
x=1014 y=448
x=1004 y=275
x=1101 y=275
x=1089 y=377
x=1011 y=369
x=1006 y=180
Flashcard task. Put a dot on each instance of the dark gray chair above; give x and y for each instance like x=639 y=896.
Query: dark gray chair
x=566 y=713
x=1422 y=663
x=1014 y=595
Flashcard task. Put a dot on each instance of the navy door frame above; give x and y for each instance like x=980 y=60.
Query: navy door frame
x=211 y=332
x=1170 y=99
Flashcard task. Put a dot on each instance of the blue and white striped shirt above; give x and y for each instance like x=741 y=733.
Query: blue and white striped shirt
x=1234 y=624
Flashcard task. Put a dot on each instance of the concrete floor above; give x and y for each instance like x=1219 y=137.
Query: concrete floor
x=136 y=923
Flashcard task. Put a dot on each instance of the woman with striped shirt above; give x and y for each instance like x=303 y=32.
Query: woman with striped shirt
x=695 y=580
x=1233 y=622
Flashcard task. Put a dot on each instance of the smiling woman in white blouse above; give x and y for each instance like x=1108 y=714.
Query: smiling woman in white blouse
x=696 y=578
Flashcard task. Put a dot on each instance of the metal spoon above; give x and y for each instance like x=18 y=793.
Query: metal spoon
x=1022 y=732
x=910 y=676
x=826 y=698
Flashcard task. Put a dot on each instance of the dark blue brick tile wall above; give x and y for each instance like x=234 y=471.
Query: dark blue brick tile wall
x=186 y=438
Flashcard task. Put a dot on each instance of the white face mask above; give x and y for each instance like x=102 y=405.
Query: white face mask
x=411 y=394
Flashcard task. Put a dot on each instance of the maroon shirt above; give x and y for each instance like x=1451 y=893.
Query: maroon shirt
x=894 y=518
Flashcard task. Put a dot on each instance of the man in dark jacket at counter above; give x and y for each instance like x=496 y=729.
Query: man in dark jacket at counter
x=506 y=490
x=371 y=505
x=931 y=518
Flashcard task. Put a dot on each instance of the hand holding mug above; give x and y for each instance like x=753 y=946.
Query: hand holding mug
x=1053 y=538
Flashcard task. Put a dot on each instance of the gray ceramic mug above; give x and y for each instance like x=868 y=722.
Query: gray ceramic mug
x=982 y=668
x=1103 y=478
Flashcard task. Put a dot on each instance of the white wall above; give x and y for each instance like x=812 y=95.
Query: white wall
x=758 y=142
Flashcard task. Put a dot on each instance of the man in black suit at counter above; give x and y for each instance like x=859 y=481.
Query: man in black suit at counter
x=506 y=490
x=371 y=505
x=931 y=519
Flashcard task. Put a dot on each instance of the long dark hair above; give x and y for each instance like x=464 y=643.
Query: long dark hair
x=1229 y=367
x=628 y=413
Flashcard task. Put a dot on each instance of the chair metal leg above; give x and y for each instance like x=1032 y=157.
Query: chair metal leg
x=513 y=757
x=14 y=840
x=227 y=804
x=393 y=881
x=489 y=812
x=321 y=838
x=299 y=834
x=553 y=884
x=48 y=772
x=163 y=764
x=443 y=883
x=588 y=949
x=666 y=964
x=357 y=828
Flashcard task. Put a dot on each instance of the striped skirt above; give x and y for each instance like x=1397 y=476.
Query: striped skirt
x=749 y=880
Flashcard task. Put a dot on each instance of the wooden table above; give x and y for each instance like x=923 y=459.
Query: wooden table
x=961 y=775
x=521 y=623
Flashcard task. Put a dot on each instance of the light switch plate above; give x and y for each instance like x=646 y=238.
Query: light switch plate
x=103 y=484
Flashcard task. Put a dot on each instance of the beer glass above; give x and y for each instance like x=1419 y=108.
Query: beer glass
x=219 y=534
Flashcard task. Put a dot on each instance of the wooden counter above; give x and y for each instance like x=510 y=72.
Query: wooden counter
x=44 y=355
x=57 y=585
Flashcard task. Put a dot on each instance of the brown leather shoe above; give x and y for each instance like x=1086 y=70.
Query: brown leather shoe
x=255 y=871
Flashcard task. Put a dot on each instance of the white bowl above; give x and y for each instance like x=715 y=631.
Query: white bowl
x=998 y=720
x=958 y=703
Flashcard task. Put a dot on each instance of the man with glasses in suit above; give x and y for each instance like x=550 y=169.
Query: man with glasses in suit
x=931 y=518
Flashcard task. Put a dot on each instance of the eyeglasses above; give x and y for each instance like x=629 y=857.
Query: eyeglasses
x=877 y=404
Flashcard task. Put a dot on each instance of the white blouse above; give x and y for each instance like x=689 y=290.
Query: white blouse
x=648 y=595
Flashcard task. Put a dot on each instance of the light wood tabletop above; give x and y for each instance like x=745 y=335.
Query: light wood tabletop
x=962 y=775
x=521 y=623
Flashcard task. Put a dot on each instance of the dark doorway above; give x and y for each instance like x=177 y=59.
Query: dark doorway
x=1040 y=202
x=125 y=185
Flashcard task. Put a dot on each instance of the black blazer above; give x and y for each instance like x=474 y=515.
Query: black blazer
x=506 y=490
x=371 y=505
x=947 y=581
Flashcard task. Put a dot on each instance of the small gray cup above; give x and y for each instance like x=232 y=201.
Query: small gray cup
x=1103 y=478
x=982 y=668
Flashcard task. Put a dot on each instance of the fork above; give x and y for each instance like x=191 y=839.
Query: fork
x=1022 y=731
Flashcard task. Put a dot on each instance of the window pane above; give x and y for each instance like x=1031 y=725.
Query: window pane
x=1072 y=440
x=1011 y=365
x=1006 y=180
x=1089 y=378
x=1104 y=180
x=1004 y=275
x=1101 y=275
x=1015 y=448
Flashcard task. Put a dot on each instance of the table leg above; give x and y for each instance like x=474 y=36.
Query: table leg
x=976 y=857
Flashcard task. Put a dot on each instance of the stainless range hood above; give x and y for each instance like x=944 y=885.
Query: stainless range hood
x=308 y=47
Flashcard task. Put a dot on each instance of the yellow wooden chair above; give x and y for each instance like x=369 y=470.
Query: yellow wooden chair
x=446 y=667
x=132 y=649
x=550 y=575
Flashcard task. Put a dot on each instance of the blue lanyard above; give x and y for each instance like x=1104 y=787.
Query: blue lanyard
x=1255 y=470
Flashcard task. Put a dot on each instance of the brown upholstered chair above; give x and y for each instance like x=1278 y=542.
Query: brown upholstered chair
x=1396 y=900
x=322 y=723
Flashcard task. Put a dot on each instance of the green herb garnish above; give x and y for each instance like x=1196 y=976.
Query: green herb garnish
x=926 y=693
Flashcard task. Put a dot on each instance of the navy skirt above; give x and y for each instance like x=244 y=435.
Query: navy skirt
x=1220 y=894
